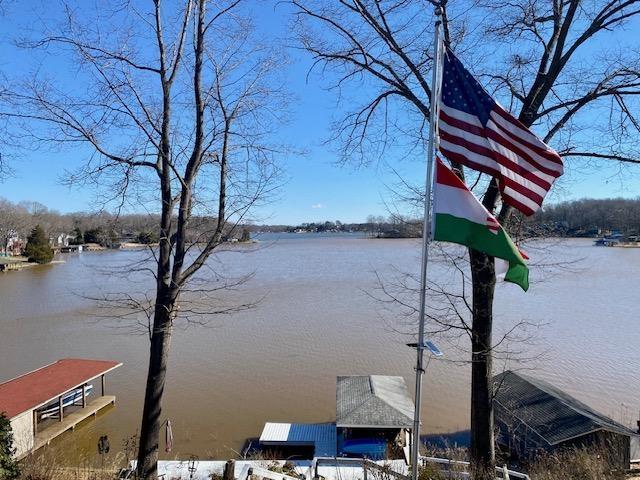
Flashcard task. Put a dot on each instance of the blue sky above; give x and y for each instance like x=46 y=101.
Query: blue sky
x=317 y=187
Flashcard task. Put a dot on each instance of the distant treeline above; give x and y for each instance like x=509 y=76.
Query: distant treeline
x=587 y=217
x=20 y=218
x=389 y=227
x=590 y=217
x=107 y=229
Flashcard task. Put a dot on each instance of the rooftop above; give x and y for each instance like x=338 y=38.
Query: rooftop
x=41 y=386
x=321 y=435
x=555 y=415
x=373 y=401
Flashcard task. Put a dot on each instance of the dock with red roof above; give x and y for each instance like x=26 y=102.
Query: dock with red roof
x=46 y=402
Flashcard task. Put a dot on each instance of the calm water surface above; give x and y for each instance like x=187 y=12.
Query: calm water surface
x=317 y=320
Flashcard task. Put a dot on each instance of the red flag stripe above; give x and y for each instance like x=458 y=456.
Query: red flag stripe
x=445 y=176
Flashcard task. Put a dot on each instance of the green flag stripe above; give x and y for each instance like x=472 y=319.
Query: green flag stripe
x=460 y=230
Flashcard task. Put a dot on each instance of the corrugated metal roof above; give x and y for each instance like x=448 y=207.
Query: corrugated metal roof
x=45 y=384
x=321 y=435
x=373 y=400
x=555 y=415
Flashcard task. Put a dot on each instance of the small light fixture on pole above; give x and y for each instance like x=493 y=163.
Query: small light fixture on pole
x=433 y=349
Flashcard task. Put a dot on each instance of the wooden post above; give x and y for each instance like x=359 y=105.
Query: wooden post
x=35 y=423
x=60 y=409
x=229 y=470
x=84 y=395
x=102 y=382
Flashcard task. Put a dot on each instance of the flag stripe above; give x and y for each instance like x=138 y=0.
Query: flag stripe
x=457 y=202
x=524 y=201
x=454 y=229
x=447 y=177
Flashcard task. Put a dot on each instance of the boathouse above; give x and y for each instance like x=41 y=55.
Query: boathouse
x=46 y=402
x=374 y=417
x=533 y=415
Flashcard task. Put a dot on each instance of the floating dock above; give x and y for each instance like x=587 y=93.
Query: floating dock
x=23 y=398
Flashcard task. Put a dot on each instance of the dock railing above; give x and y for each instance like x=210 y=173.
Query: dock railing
x=451 y=466
x=366 y=465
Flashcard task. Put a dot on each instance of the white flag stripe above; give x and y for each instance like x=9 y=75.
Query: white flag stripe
x=501 y=267
x=521 y=198
x=493 y=145
x=525 y=135
x=458 y=203
x=460 y=115
x=491 y=163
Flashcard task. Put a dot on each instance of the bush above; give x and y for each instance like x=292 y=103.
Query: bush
x=38 y=249
x=147 y=238
x=94 y=235
x=9 y=468
x=78 y=237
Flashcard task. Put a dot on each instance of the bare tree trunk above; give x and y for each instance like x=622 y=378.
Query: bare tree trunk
x=482 y=441
x=482 y=448
x=158 y=359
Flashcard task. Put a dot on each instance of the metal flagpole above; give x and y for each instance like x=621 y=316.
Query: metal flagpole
x=426 y=234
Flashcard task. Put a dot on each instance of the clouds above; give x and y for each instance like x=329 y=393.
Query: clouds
x=318 y=205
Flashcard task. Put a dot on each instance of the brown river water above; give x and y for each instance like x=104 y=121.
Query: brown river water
x=317 y=318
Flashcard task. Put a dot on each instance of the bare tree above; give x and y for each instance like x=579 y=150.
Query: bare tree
x=179 y=104
x=551 y=59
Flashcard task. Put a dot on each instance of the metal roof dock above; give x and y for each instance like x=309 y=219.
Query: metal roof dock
x=322 y=436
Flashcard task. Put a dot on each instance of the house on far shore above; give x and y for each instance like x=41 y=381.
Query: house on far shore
x=12 y=245
x=61 y=240
x=532 y=415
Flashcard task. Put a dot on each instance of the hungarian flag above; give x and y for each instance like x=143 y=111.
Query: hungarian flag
x=460 y=218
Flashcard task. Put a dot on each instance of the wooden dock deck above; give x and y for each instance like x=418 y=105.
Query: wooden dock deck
x=70 y=420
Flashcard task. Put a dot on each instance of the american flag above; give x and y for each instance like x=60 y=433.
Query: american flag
x=477 y=132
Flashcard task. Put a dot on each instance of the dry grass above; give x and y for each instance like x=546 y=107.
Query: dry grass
x=46 y=467
x=578 y=464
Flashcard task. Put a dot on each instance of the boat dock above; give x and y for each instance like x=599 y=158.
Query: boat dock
x=70 y=421
x=43 y=404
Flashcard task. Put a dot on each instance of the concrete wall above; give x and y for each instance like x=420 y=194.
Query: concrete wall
x=22 y=426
